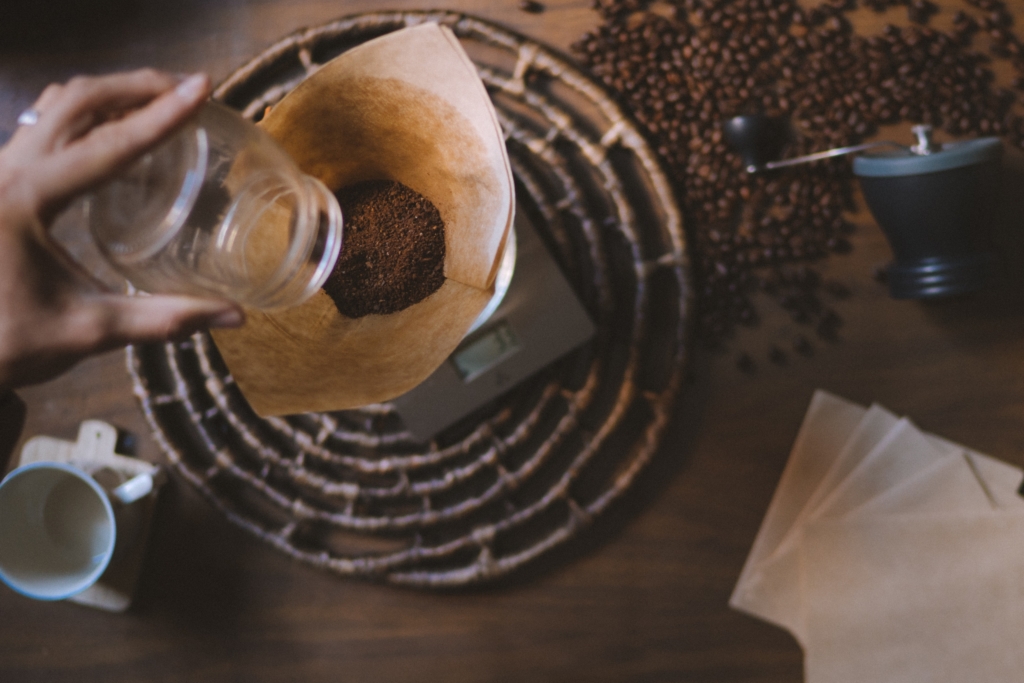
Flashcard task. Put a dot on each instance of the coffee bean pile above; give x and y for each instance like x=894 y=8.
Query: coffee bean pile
x=685 y=67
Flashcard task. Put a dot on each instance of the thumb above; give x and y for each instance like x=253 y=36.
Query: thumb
x=129 y=319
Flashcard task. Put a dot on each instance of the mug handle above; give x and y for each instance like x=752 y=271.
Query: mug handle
x=135 y=488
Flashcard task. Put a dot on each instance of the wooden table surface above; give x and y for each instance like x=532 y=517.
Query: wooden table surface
x=642 y=598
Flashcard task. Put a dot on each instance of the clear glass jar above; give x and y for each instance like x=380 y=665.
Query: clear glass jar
x=219 y=209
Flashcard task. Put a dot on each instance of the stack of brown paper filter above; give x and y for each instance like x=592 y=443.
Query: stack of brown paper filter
x=408 y=107
x=890 y=554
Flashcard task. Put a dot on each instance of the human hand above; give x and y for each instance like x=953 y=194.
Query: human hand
x=53 y=313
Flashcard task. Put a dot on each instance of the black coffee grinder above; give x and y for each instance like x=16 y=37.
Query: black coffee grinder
x=935 y=203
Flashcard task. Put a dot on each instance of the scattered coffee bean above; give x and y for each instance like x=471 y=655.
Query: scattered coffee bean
x=531 y=6
x=828 y=326
x=745 y=363
x=777 y=355
x=837 y=289
x=803 y=346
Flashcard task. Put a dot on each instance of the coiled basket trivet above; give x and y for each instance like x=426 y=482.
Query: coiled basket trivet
x=353 y=491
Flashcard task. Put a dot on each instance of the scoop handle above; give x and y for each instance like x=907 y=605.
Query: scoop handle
x=827 y=154
x=134 y=489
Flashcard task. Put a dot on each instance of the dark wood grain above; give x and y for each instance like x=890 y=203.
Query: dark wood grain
x=643 y=597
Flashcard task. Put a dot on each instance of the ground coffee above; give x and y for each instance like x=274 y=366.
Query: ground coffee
x=392 y=253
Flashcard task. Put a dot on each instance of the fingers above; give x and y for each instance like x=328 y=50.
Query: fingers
x=82 y=147
x=97 y=155
x=68 y=110
x=84 y=326
x=101 y=323
x=65 y=109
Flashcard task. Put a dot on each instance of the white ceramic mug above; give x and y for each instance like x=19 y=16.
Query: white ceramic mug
x=58 y=528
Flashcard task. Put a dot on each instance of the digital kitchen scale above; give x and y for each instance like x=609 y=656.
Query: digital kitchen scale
x=537 y=321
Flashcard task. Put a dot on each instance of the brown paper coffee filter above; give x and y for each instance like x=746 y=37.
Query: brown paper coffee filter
x=408 y=107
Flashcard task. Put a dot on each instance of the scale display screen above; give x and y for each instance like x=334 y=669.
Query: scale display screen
x=486 y=351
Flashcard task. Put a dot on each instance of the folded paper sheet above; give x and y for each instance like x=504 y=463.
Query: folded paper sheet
x=829 y=422
x=915 y=599
x=409 y=107
x=902 y=564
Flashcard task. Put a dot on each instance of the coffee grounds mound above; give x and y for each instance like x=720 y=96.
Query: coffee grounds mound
x=392 y=255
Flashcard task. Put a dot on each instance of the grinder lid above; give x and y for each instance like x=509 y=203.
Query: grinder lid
x=951 y=155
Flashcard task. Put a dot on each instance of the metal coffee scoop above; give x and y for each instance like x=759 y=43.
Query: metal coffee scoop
x=758 y=139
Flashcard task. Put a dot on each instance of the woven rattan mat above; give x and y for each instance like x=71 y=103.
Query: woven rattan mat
x=353 y=492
